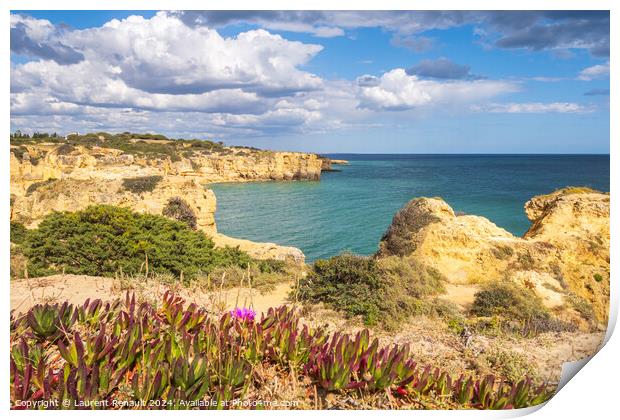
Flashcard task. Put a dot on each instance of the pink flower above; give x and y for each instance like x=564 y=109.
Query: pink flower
x=243 y=314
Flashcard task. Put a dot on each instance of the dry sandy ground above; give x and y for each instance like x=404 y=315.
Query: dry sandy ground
x=431 y=342
x=76 y=289
x=461 y=294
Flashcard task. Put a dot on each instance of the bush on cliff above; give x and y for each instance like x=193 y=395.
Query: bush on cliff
x=398 y=239
x=102 y=240
x=515 y=309
x=146 y=144
x=18 y=233
x=141 y=184
x=178 y=209
x=347 y=283
x=382 y=291
x=507 y=299
x=36 y=185
x=415 y=278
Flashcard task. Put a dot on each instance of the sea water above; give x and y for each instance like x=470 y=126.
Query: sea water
x=351 y=209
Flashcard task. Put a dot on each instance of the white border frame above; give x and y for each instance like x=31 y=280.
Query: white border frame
x=592 y=394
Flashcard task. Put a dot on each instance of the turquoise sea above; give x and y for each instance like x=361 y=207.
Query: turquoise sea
x=350 y=210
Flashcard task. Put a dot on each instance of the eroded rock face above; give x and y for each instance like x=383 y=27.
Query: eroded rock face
x=73 y=195
x=41 y=162
x=565 y=252
x=84 y=177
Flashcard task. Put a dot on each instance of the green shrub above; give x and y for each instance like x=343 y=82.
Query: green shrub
x=36 y=185
x=515 y=308
x=141 y=184
x=179 y=209
x=149 y=136
x=509 y=300
x=101 y=240
x=598 y=278
x=384 y=291
x=346 y=282
x=511 y=365
x=415 y=278
x=18 y=233
x=271 y=266
x=398 y=239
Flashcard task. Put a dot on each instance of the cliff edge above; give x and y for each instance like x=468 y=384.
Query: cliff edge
x=48 y=177
x=563 y=256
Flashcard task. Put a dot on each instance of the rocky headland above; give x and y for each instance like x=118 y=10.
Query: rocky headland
x=326 y=163
x=563 y=257
x=48 y=177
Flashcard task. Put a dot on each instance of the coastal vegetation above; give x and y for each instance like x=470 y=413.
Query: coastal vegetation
x=388 y=291
x=141 y=184
x=121 y=354
x=139 y=144
x=385 y=292
x=18 y=233
x=178 y=209
x=516 y=309
x=105 y=240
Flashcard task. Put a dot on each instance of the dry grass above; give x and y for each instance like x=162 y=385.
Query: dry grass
x=409 y=220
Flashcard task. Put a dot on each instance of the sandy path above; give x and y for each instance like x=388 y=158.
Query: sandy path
x=461 y=294
x=76 y=289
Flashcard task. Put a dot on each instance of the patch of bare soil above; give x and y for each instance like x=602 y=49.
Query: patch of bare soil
x=460 y=294
x=77 y=288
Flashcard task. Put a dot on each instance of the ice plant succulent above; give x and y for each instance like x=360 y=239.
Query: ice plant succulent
x=163 y=355
x=243 y=314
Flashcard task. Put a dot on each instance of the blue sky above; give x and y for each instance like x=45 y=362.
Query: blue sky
x=366 y=82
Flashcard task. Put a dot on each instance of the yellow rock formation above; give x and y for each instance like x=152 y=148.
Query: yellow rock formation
x=565 y=252
x=86 y=176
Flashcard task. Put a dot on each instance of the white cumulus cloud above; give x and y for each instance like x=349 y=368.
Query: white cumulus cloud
x=162 y=65
x=396 y=90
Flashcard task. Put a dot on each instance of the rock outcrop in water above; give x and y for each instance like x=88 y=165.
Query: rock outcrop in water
x=564 y=254
x=46 y=178
x=326 y=164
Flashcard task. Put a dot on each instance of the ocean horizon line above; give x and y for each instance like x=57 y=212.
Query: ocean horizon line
x=457 y=154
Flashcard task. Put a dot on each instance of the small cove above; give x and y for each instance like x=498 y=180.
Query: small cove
x=349 y=210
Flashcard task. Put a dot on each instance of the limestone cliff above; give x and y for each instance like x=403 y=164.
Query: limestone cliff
x=33 y=163
x=70 y=194
x=49 y=177
x=565 y=252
